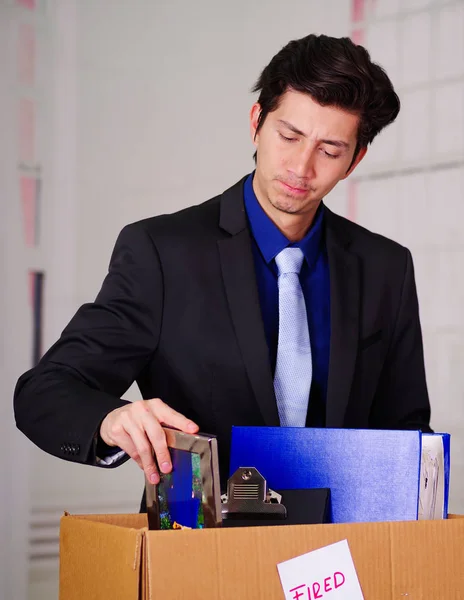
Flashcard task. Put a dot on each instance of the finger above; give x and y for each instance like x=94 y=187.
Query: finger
x=168 y=416
x=158 y=442
x=129 y=448
x=144 y=450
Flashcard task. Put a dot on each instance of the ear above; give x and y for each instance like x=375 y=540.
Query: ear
x=254 y=118
x=361 y=155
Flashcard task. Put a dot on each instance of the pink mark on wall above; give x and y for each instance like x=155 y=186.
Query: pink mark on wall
x=26 y=54
x=30 y=4
x=359 y=8
x=26 y=128
x=357 y=35
x=28 y=192
x=357 y=11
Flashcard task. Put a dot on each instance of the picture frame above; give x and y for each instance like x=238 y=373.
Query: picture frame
x=190 y=495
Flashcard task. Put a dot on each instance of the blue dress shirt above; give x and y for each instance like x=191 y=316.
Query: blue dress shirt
x=268 y=241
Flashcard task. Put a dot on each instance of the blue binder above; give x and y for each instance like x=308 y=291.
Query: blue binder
x=447 y=452
x=373 y=475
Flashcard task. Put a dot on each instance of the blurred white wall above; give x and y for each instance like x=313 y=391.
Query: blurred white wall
x=410 y=187
x=141 y=108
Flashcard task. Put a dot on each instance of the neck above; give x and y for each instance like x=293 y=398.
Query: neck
x=294 y=227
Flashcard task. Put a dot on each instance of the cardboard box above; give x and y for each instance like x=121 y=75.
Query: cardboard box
x=115 y=557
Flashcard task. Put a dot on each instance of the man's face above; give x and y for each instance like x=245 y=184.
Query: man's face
x=304 y=149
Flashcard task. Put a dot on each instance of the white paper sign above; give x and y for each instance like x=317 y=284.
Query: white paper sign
x=327 y=573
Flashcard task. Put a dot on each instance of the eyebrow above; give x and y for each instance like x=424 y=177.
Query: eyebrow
x=336 y=143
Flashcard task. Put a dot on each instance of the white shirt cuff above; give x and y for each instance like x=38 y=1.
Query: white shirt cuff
x=111 y=459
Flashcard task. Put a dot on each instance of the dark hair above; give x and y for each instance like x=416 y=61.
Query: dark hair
x=335 y=72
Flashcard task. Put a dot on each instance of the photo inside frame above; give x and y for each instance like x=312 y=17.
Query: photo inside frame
x=181 y=494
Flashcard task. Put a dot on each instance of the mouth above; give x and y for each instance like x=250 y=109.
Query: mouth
x=296 y=191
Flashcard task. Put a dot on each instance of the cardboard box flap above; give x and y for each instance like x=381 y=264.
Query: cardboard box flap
x=242 y=562
x=134 y=521
x=428 y=559
x=100 y=559
x=393 y=560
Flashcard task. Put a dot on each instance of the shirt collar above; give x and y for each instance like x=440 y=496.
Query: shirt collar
x=270 y=239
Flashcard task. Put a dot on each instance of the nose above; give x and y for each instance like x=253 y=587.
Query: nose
x=302 y=165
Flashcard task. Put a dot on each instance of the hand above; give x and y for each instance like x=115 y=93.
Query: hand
x=136 y=429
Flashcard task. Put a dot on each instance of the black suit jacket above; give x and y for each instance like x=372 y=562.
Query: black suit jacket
x=179 y=313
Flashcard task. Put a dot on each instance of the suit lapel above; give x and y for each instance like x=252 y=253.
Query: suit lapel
x=344 y=314
x=242 y=295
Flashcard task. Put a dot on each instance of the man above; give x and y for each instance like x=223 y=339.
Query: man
x=258 y=307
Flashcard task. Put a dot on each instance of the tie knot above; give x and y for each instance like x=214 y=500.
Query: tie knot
x=289 y=260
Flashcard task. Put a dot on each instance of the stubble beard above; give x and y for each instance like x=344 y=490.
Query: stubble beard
x=288 y=204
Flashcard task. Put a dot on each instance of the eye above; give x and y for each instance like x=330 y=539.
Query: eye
x=287 y=139
x=328 y=154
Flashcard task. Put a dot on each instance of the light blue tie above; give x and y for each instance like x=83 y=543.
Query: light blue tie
x=293 y=373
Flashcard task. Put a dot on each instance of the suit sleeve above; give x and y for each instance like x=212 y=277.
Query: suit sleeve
x=402 y=400
x=59 y=404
